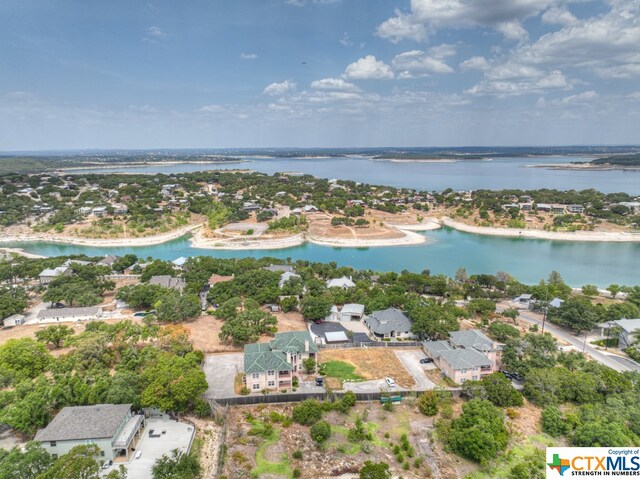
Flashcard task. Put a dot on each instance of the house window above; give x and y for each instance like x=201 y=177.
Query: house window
x=271 y=383
x=463 y=380
x=463 y=371
x=52 y=443
x=102 y=453
x=256 y=386
x=255 y=375
x=271 y=373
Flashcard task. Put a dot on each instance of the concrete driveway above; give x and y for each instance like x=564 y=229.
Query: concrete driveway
x=411 y=360
x=221 y=370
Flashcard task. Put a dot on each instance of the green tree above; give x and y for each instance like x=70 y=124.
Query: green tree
x=24 y=358
x=481 y=307
x=177 y=465
x=81 y=462
x=553 y=422
x=428 y=403
x=590 y=290
x=309 y=365
x=600 y=433
x=479 y=433
x=16 y=464
x=500 y=391
x=12 y=301
x=307 y=412
x=320 y=431
x=157 y=268
x=576 y=313
x=375 y=470
x=315 y=308
x=173 y=383
x=56 y=334
x=503 y=331
x=173 y=307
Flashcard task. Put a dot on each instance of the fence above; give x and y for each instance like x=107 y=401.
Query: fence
x=373 y=344
x=323 y=396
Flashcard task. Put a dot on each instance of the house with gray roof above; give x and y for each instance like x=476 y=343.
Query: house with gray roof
x=390 y=323
x=348 y=312
x=279 y=268
x=286 y=276
x=466 y=356
x=170 y=282
x=67 y=315
x=48 y=275
x=629 y=328
x=343 y=282
x=273 y=365
x=112 y=427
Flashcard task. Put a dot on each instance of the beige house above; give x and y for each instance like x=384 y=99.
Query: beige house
x=467 y=356
x=273 y=365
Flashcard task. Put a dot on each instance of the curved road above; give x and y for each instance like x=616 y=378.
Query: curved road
x=613 y=361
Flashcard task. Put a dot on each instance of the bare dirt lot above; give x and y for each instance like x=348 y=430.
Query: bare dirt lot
x=205 y=329
x=320 y=226
x=372 y=364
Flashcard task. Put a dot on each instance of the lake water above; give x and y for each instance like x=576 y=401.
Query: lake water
x=527 y=259
x=495 y=174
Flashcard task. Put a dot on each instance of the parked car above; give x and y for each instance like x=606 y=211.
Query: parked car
x=426 y=361
x=107 y=464
x=138 y=454
x=506 y=373
x=319 y=381
x=390 y=382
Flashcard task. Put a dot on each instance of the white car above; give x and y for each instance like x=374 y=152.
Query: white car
x=390 y=382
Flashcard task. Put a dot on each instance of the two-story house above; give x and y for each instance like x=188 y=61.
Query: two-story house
x=273 y=365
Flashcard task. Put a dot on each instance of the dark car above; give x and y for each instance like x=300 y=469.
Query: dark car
x=426 y=361
x=507 y=374
x=516 y=376
x=319 y=381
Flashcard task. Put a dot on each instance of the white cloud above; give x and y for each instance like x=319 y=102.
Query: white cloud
x=368 y=68
x=345 y=40
x=606 y=44
x=337 y=84
x=475 y=63
x=513 y=30
x=154 y=34
x=248 y=56
x=277 y=89
x=559 y=16
x=417 y=63
x=585 y=97
x=300 y=3
x=554 y=80
x=212 y=109
x=425 y=15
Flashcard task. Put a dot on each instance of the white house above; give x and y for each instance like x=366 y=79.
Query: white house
x=48 y=275
x=286 y=276
x=343 y=282
x=65 y=315
x=348 y=312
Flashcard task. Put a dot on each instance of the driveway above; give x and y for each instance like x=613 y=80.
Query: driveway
x=221 y=370
x=411 y=360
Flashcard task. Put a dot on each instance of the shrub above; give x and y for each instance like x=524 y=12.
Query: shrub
x=297 y=454
x=296 y=472
x=307 y=412
x=428 y=403
x=320 y=431
x=244 y=390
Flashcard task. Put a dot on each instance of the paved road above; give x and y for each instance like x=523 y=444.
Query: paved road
x=614 y=362
x=411 y=360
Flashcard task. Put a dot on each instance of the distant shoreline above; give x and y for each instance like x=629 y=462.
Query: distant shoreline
x=584 y=167
x=592 y=236
x=137 y=164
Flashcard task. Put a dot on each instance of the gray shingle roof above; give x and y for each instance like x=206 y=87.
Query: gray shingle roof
x=471 y=339
x=465 y=358
x=387 y=320
x=68 y=312
x=279 y=268
x=435 y=348
x=168 y=282
x=85 y=422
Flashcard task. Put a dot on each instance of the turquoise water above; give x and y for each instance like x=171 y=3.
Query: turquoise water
x=501 y=173
x=527 y=259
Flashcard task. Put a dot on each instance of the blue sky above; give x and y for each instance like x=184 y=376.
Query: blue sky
x=264 y=73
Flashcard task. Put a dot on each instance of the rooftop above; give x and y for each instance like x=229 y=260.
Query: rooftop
x=68 y=312
x=472 y=339
x=465 y=358
x=387 y=320
x=629 y=325
x=85 y=422
x=168 y=282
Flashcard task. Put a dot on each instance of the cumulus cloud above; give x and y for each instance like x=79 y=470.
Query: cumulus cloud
x=606 y=44
x=559 y=16
x=278 y=89
x=336 y=84
x=417 y=63
x=154 y=34
x=248 y=56
x=426 y=15
x=554 y=80
x=475 y=63
x=368 y=68
x=581 y=98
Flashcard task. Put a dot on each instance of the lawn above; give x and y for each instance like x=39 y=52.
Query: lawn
x=282 y=468
x=341 y=370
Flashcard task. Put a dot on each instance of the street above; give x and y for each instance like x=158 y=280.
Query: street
x=613 y=361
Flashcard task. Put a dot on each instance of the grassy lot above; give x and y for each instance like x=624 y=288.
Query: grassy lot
x=341 y=370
